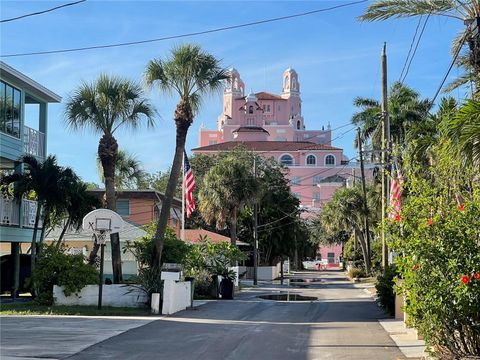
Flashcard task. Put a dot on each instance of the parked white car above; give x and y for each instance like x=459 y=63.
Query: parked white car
x=314 y=264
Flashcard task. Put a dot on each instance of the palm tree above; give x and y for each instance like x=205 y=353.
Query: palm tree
x=346 y=212
x=128 y=171
x=48 y=182
x=226 y=189
x=405 y=109
x=464 y=130
x=79 y=203
x=104 y=106
x=191 y=73
x=454 y=9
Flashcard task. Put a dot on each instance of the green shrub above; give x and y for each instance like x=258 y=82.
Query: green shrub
x=56 y=267
x=385 y=284
x=356 y=273
x=441 y=266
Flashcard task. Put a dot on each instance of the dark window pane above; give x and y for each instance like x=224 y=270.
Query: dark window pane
x=2 y=106
x=16 y=113
x=8 y=109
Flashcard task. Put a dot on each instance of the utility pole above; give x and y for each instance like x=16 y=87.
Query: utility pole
x=255 y=229
x=354 y=230
x=385 y=152
x=364 y=190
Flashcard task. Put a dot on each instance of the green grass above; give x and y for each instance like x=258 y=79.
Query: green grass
x=31 y=308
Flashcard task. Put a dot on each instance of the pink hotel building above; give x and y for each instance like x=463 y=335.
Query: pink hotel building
x=274 y=126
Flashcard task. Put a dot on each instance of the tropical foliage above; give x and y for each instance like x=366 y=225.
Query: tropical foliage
x=56 y=267
x=190 y=73
x=104 y=106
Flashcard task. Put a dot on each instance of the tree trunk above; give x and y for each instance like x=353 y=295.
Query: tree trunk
x=64 y=230
x=34 y=237
x=108 y=153
x=233 y=228
x=363 y=245
x=93 y=253
x=46 y=220
x=183 y=119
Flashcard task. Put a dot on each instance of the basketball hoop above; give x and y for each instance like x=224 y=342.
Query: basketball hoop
x=102 y=222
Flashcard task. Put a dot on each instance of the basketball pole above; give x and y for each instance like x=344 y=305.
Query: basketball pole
x=100 y=283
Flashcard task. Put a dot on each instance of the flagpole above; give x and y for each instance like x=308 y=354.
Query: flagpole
x=182 y=232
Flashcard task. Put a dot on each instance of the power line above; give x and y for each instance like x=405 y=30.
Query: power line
x=231 y=27
x=449 y=68
x=42 y=12
x=416 y=47
x=411 y=47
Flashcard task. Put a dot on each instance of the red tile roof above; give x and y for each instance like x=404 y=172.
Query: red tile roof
x=193 y=236
x=267 y=96
x=267 y=146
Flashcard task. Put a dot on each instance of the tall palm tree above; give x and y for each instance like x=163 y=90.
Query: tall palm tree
x=405 y=109
x=190 y=73
x=128 y=171
x=454 y=9
x=104 y=106
x=226 y=189
x=48 y=181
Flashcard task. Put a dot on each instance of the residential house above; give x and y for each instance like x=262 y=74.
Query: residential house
x=19 y=93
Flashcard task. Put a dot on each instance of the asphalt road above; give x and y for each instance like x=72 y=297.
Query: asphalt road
x=342 y=324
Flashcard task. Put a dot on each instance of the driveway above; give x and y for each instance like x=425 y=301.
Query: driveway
x=341 y=324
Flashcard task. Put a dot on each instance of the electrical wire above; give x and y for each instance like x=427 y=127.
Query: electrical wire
x=449 y=68
x=415 y=50
x=411 y=47
x=196 y=33
x=42 y=12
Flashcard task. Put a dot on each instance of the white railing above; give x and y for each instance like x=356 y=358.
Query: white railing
x=9 y=211
x=34 y=142
x=29 y=212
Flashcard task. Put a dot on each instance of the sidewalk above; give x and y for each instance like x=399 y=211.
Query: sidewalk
x=405 y=338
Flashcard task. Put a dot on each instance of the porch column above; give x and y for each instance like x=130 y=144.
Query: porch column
x=43 y=123
x=15 y=256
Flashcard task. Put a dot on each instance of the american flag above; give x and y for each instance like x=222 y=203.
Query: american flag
x=189 y=182
x=395 y=192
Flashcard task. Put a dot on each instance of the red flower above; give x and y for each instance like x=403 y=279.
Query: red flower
x=476 y=275
x=397 y=218
x=461 y=207
x=430 y=221
x=465 y=279
x=415 y=267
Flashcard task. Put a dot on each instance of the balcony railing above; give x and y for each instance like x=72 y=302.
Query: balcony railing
x=34 y=142
x=10 y=212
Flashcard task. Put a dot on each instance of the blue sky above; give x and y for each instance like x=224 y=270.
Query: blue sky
x=337 y=58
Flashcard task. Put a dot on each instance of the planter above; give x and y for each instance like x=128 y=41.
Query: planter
x=226 y=289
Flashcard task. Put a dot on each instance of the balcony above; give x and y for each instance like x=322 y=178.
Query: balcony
x=10 y=212
x=33 y=142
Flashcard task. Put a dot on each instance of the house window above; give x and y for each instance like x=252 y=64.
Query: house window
x=250 y=109
x=212 y=142
x=280 y=138
x=295 y=180
x=286 y=160
x=268 y=108
x=316 y=196
x=311 y=160
x=330 y=160
x=317 y=179
x=10 y=109
x=123 y=207
x=298 y=125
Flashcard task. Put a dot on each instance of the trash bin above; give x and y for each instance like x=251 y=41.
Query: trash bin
x=192 y=288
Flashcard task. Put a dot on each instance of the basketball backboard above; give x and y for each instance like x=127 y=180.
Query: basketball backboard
x=104 y=220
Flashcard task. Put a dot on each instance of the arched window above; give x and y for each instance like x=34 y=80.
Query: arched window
x=298 y=125
x=294 y=83
x=330 y=160
x=250 y=109
x=311 y=160
x=286 y=160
